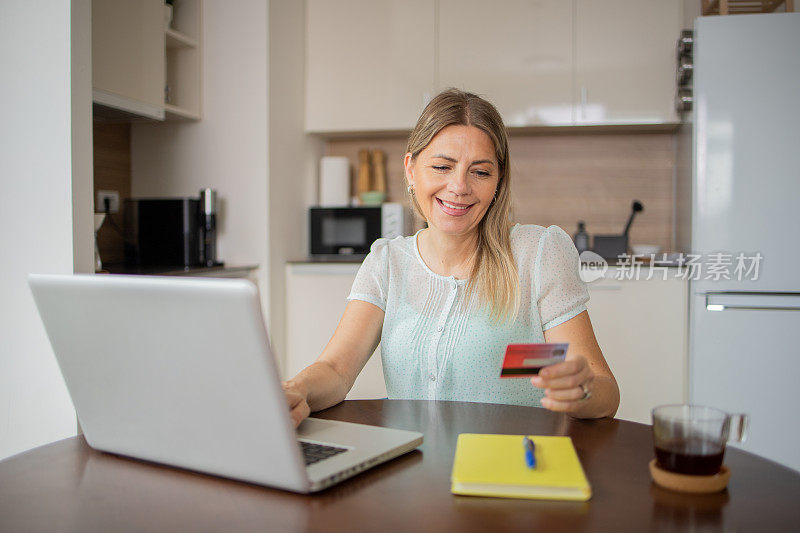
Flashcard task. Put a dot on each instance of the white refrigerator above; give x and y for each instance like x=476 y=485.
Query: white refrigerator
x=741 y=188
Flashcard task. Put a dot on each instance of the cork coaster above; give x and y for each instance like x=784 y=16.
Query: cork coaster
x=687 y=483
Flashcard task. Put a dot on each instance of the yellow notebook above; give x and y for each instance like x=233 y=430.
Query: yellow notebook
x=494 y=465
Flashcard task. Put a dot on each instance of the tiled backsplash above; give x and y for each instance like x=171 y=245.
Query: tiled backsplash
x=561 y=178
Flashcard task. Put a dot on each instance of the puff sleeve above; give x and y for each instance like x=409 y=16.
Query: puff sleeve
x=560 y=292
x=372 y=280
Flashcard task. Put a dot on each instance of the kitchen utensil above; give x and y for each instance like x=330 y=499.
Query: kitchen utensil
x=364 y=181
x=378 y=171
x=581 y=238
x=99 y=218
x=208 y=227
x=613 y=246
x=370 y=198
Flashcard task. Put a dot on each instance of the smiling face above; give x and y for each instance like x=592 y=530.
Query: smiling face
x=454 y=179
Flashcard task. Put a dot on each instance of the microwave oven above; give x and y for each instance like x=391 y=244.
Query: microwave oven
x=348 y=232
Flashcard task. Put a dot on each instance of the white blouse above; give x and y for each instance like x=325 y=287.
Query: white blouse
x=435 y=346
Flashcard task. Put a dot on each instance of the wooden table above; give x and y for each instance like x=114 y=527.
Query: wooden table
x=66 y=486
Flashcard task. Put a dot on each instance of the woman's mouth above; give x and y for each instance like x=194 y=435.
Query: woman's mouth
x=453 y=209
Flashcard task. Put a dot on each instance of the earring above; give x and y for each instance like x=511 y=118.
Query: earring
x=410 y=189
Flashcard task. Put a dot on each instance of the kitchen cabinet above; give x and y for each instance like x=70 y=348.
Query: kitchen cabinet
x=641 y=326
x=518 y=54
x=142 y=67
x=315 y=300
x=369 y=65
x=128 y=56
x=625 y=60
x=184 y=47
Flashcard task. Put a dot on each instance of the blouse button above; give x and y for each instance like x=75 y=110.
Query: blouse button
x=432 y=377
x=440 y=328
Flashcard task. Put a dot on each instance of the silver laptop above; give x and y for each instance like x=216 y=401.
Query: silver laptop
x=179 y=371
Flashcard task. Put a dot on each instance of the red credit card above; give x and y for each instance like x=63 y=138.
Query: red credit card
x=525 y=360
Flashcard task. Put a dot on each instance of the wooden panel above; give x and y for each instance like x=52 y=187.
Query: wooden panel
x=560 y=179
x=740 y=7
x=112 y=172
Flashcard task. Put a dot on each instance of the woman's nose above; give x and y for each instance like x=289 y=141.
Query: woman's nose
x=459 y=182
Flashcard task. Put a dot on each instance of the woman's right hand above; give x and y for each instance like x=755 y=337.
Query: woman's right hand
x=297 y=398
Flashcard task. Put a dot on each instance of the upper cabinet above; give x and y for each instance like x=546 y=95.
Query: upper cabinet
x=516 y=53
x=373 y=65
x=369 y=65
x=145 y=62
x=128 y=56
x=625 y=60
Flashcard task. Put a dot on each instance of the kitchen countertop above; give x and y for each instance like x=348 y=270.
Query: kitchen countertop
x=221 y=270
x=356 y=259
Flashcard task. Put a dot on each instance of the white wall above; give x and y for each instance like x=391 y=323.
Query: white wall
x=227 y=149
x=293 y=157
x=82 y=144
x=36 y=210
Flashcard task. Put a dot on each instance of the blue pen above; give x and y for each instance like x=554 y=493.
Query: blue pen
x=530 y=452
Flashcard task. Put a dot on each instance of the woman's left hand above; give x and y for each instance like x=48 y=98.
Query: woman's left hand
x=565 y=384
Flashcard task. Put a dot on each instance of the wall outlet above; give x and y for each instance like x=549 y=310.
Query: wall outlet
x=113 y=202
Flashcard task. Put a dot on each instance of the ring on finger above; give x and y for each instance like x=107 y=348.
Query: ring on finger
x=586 y=392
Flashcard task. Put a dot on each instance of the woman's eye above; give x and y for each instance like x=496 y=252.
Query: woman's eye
x=482 y=173
x=440 y=168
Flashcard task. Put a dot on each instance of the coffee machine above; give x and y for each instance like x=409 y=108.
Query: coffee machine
x=172 y=232
x=208 y=228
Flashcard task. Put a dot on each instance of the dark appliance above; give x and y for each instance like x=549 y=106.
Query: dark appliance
x=613 y=246
x=208 y=228
x=169 y=232
x=348 y=232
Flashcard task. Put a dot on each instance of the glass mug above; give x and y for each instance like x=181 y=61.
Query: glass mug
x=690 y=439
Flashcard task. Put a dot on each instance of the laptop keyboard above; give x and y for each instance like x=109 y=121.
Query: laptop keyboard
x=315 y=453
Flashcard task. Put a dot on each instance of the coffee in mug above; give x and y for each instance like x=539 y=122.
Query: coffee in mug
x=690 y=439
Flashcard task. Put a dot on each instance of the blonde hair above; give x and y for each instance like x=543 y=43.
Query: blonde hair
x=494 y=278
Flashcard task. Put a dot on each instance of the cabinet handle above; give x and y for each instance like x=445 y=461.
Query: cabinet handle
x=753 y=301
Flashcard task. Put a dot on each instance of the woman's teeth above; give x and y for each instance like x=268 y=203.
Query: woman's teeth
x=451 y=206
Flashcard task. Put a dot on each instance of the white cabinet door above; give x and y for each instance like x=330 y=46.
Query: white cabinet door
x=625 y=60
x=516 y=53
x=315 y=301
x=642 y=328
x=128 y=55
x=369 y=65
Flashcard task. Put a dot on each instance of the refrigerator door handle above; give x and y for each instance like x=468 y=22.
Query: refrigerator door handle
x=766 y=301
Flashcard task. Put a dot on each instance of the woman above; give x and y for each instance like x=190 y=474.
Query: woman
x=446 y=301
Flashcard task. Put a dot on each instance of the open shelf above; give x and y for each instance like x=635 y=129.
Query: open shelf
x=176 y=39
x=183 y=50
x=173 y=112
